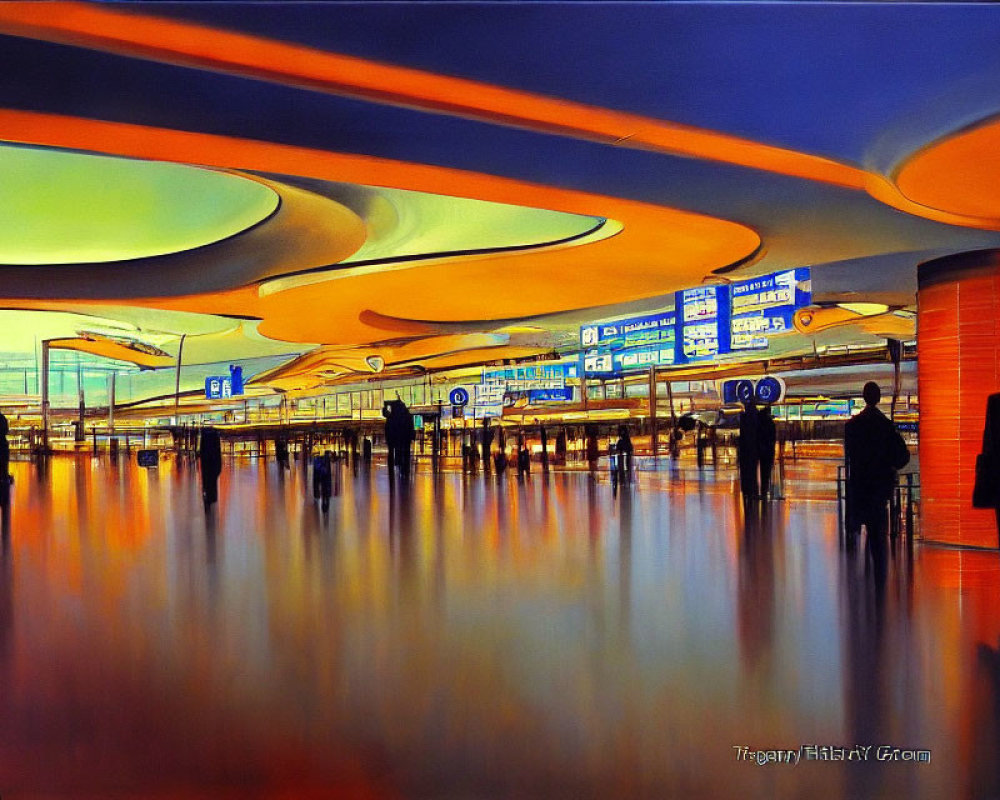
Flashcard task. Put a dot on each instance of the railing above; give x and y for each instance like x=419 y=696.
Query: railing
x=903 y=503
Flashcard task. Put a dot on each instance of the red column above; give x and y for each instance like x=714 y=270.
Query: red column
x=958 y=368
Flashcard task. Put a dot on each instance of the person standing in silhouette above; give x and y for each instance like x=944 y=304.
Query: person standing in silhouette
x=874 y=451
x=210 y=459
x=4 y=464
x=593 y=453
x=748 y=454
x=281 y=452
x=323 y=478
x=399 y=434
x=486 y=441
x=991 y=451
x=767 y=439
x=623 y=450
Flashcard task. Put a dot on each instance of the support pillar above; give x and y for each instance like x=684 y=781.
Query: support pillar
x=177 y=381
x=111 y=404
x=652 y=412
x=958 y=326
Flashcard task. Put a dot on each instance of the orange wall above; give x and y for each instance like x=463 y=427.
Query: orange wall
x=959 y=366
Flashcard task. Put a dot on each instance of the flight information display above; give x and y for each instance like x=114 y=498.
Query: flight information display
x=701 y=330
x=612 y=348
x=706 y=322
x=764 y=307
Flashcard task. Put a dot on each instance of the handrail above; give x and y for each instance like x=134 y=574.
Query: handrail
x=901 y=517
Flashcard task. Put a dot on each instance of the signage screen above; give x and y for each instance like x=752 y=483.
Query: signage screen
x=705 y=314
x=700 y=304
x=629 y=344
x=763 y=307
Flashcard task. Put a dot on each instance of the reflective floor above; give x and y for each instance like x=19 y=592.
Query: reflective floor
x=464 y=638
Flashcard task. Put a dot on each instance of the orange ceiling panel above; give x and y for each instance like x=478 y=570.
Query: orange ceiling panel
x=105 y=348
x=959 y=174
x=195 y=45
x=659 y=249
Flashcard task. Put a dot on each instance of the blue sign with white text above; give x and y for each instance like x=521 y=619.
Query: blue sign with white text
x=764 y=306
x=629 y=344
x=218 y=387
x=550 y=395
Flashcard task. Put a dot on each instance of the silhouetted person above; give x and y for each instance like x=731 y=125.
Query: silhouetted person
x=748 y=453
x=4 y=464
x=281 y=452
x=561 y=447
x=399 y=435
x=366 y=450
x=210 y=459
x=485 y=441
x=623 y=450
x=874 y=451
x=593 y=453
x=323 y=478
x=500 y=462
x=767 y=440
x=989 y=482
x=523 y=461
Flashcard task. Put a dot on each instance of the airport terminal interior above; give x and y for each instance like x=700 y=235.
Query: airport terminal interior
x=454 y=400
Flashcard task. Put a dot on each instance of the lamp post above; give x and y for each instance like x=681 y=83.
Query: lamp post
x=177 y=380
x=45 y=395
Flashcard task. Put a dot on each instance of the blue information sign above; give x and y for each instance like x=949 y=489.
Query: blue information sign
x=769 y=390
x=636 y=343
x=550 y=395
x=707 y=321
x=220 y=387
x=763 y=307
x=744 y=391
x=458 y=396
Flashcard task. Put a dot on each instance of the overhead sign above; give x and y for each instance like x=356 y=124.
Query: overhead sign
x=707 y=321
x=147 y=458
x=744 y=391
x=219 y=387
x=704 y=314
x=765 y=306
x=530 y=372
x=550 y=395
x=767 y=390
x=458 y=396
x=629 y=344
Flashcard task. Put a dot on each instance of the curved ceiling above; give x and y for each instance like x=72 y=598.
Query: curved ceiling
x=959 y=173
x=66 y=208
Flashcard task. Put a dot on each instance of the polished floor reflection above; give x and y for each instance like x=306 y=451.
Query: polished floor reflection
x=464 y=637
